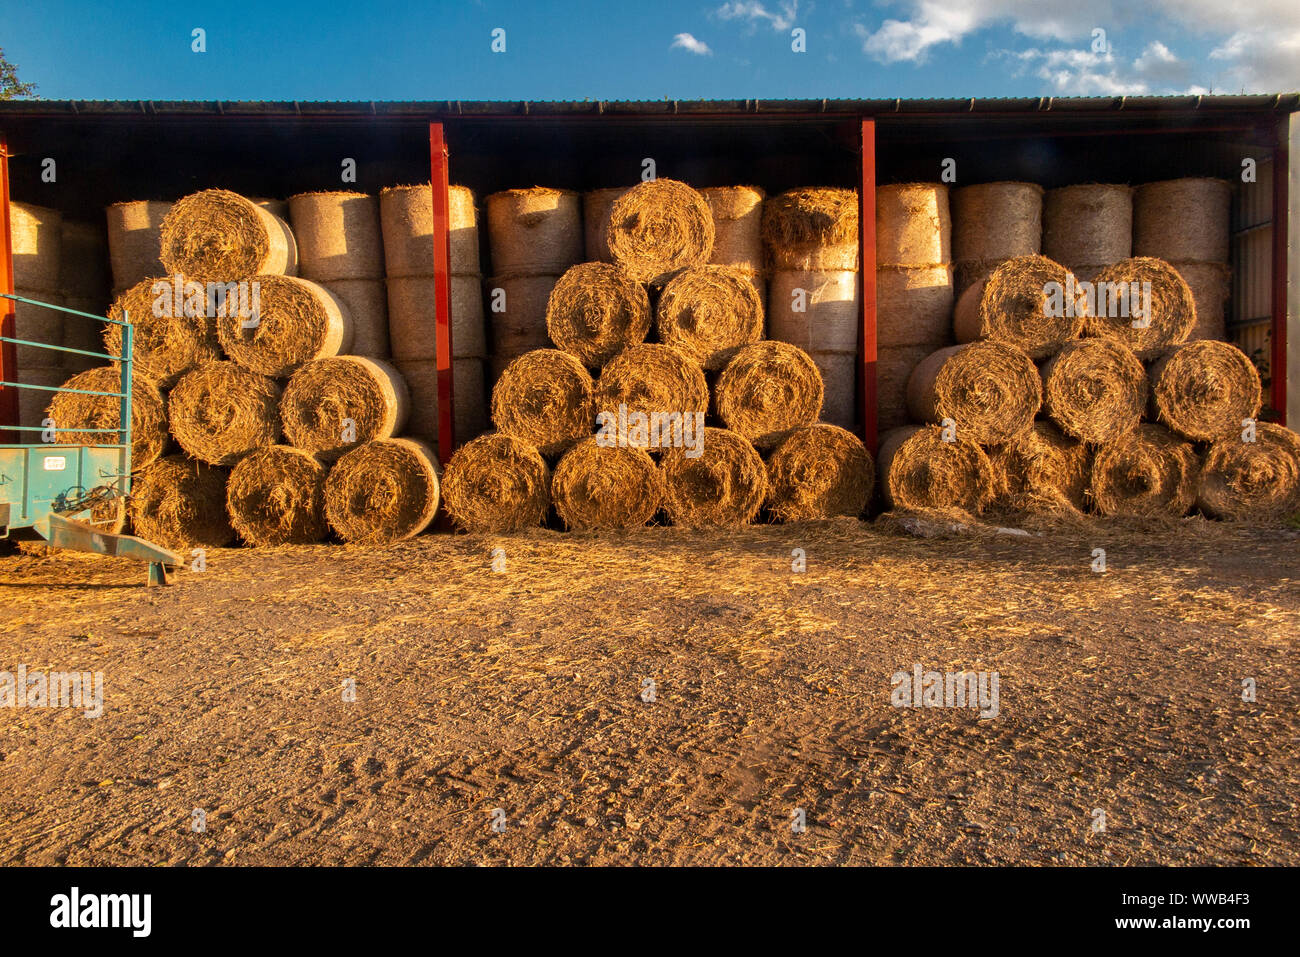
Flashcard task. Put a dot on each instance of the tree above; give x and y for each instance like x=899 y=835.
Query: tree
x=10 y=86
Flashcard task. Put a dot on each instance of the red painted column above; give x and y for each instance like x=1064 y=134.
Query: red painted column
x=438 y=162
x=8 y=351
x=1281 y=206
x=867 y=352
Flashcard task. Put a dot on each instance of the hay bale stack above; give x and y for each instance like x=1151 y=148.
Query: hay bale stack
x=134 y=240
x=165 y=345
x=659 y=227
x=1252 y=481
x=894 y=367
x=83 y=264
x=707 y=311
x=382 y=492
x=596 y=205
x=545 y=398
x=913 y=306
x=218 y=236
x=812 y=228
x=469 y=399
x=1148 y=472
x=406 y=215
x=1088 y=226
x=413 y=321
x=219 y=412
x=367 y=304
x=298 y=321
x=919 y=471
x=1204 y=390
x=766 y=390
x=1184 y=220
x=1041 y=470
x=534 y=232
x=651 y=378
x=32 y=402
x=36 y=237
x=39 y=324
x=913 y=225
x=1095 y=390
x=595 y=311
x=180 y=504
x=338 y=235
x=737 y=228
x=819 y=471
x=332 y=405
x=1173 y=311
x=990 y=389
x=721 y=487
x=73 y=410
x=497 y=483
x=993 y=222
x=1209 y=284
x=606 y=487
x=1013 y=306
x=276 y=496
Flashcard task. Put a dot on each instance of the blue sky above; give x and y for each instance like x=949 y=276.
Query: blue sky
x=681 y=49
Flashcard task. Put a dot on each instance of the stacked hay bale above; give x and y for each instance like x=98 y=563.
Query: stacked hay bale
x=738 y=231
x=84 y=282
x=135 y=240
x=993 y=222
x=37 y=236
x=1088 y=226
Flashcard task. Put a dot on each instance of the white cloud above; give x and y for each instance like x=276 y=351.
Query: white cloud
x=755 y=12
x=687 y=42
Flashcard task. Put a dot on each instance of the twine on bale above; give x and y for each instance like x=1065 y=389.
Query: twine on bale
x=1203 y=390
x=595 y=311
x=1095 y=389
x=1041 y=470
x=219 y=236
x=1183 y=219
x=707 y=311
x=180 y=504
x=1121 y=300
x=767 y=389
x=920 y=472
x=1149 y=471
x=819 y=471
x=658 y=227
x=1088 y=225
x=606 y=487
x=165 y=346
x=1030 y=302
x=996 y=221
x=220 y=411
x=338 y=235
x=913 y=225
x=71 y=410
x=737 y=226
x=535 y=231
x=1252 y=481
x=723 y=486
x=276 y=496
x=545 y=398
x=652 y=378
x=812 y=228
x=497 y=483
x=990 y=389
x=297 y=321
x=332 y=405
x=382 y=492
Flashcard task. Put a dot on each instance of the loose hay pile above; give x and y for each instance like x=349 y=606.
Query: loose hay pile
x=1014 y=305
x=990 y=390
x=595 y=311
x=659 y=227
x=921 y=472
x=767 y=389
x=219 y=236
x=708 y=311
x=1204 y=390
x=497 y=483
x=1041 y=470
x=276 y=496
x=1095 y=389
x=1149 y=471
x=332 y=405
x=219 y=412
x=545 y=398
x=606 y=487
x=721 y=487
x=819 y=471
x=812 y=228
x=73 y=410
x=651 y=378
x=180 y=504
x=1252 y=481
x=382 y=492
x=1122 y=300
x=165 y=346
x=298 y=321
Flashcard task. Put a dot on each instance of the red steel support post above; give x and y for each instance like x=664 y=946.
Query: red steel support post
x=8 y=351
x=1281 y=230
x=442 y=287
x=867 y=353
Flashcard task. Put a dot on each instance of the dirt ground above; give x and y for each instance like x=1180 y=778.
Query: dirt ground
x=522 y=690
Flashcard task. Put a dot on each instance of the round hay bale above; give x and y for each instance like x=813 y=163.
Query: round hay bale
x=913 y=306
x=816 y=310
x=276 y=207
x=839 y=380
x=1041 y=470
x=1149 y=471
x=517 y=314
x=1203 y=390
x=737 y=226
x=413 y=321
x=967 y=274
x=819 y=471
x=218 y=236
x=134 y=240
x=83 y=261
x=995 y=221
x=606 y=487
x=651 y=378
x=722 y=486
x=168 y=339
x=913 y=226
x=75 y=411
x=1209 y=283
x=469 y=399
x=990 y=389
x=180 y=504
x=707 y=311
x=1013 y=305
x=338 y=235
x=1182 y=219
x=919 y=471
x=406 y=216
x=497 y=483
x=766 y=390
x=545 y=398
x=39 y=324
x=595 y=311
x=276 y=496
x=659 y=227
x=812 y=228
x=36 y=239
x=332 y=405
x=1095 y=390
x=596 y=205
x=1173 y=311
x=469 y=404
x=219 y=412
x=297 y=321
x=382 y=492
x=534 y=232
x=367 y=304
x=894 y=367
x=32 y=402
x=1088 y=225
x=1252 y=481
